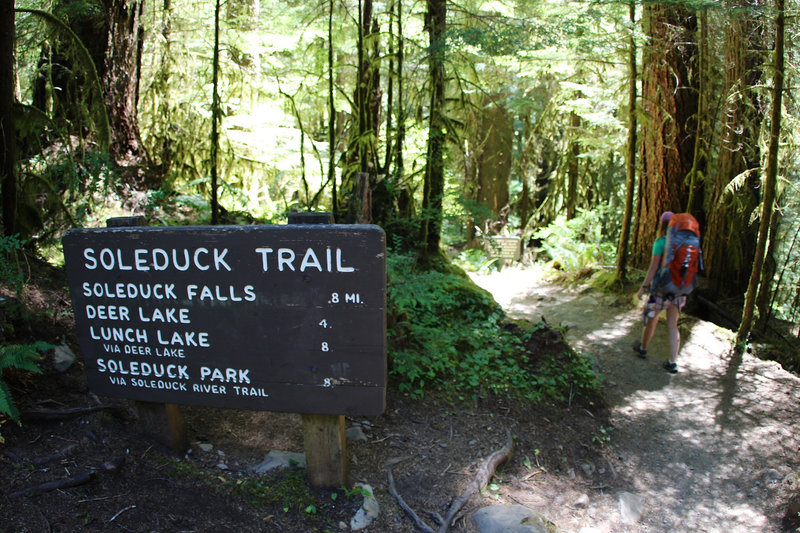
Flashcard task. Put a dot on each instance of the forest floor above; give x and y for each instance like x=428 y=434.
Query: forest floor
x=712 y=448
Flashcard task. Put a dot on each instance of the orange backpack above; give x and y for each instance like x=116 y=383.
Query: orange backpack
x=682 y=259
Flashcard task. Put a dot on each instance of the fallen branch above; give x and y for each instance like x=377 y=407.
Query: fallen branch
x=61 y=414
x=128 y=508
x=71 y=481
x=65 y=483
x=62 y=454
x=479 y=482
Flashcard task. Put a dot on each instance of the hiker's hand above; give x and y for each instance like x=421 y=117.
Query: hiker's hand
x=640 y=293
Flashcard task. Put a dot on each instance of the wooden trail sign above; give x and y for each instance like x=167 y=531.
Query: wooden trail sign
x=276 y=318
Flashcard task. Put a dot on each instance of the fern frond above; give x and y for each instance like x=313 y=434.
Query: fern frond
x=7 y=406
x=22 y=356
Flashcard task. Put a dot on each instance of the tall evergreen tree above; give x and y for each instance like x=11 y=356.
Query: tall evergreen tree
x=730 y=238
x=433 y=187
x=123 y=67
x=770 y=180
x=8 y=160
x=669 y=102
x=630 y=153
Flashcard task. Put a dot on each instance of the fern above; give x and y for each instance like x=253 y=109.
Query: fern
x=19 y=357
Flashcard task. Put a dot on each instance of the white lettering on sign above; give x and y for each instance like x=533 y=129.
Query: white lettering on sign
x=183 y=338
x=169 y=352
x=285 y=259
x=136 y=350
x=208 y=388
x=142 y=369
x=107 y=312
x=168 y=314
x=220 y=294
x=131 y=335
x=227 y=375
x=159 y=291
x=158 y=384
x=250 y=391
x=158 y=259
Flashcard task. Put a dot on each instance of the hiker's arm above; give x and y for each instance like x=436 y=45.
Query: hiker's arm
x=655 y=262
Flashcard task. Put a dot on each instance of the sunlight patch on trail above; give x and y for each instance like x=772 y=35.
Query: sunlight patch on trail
x=708 y=448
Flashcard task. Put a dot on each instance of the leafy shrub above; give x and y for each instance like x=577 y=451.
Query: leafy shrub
x=582 y=242
x=9 y=270
x=447 y=334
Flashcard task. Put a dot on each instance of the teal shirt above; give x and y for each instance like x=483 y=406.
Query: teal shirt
x=659 y=245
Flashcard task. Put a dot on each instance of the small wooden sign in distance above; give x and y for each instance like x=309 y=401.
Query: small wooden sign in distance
x=274 y=318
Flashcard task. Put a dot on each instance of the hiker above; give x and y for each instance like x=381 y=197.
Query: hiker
x=656 y=302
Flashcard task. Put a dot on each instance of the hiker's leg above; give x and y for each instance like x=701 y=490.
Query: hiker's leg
x=673 y=313
x=649 y=329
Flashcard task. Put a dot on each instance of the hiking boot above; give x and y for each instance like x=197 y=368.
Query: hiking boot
x=671 y=367
x=641 y=352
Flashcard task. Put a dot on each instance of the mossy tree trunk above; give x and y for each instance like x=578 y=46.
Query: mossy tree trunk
x=669 y=102
x=433 y=186
x=121 y=82
x=729 y=243
x=8 y=160
x=770 y=181
x=630 y=154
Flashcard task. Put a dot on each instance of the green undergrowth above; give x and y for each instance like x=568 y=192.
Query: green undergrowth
x=448 y=335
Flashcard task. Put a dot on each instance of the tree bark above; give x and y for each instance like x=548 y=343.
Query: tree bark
x=572 y=166
x=729 y=243
x=669 y=102
x=8 y=159
x=492 y=169
x=770 y=178
x=630 y=155
x=331 y=115
x=433 y=186
x=123 y=67
x=215 y=116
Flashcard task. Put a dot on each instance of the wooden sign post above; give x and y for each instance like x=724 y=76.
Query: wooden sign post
x=274 y=318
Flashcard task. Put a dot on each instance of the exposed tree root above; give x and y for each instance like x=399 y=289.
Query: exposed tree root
x=478 y=483
x=71 y=481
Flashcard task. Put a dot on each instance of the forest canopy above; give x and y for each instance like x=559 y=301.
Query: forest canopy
x=443 y=122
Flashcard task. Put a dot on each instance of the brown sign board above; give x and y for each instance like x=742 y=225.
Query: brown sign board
x=274 y=318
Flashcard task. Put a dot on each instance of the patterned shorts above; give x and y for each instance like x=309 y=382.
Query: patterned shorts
x=656 y=302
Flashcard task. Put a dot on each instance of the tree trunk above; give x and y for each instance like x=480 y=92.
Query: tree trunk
x=492 y=167
x=572 y=166
x=362 y=153
x=770 y=178
x=768 y=270
x=8 y=159
x=729 y=243
x=331 y=116
x=123 y=67
x=215 y=116
x=630 y=155
x=243 y=14
x=669 y=101
x=433 y=187
x=702 y=130
x=401 y=105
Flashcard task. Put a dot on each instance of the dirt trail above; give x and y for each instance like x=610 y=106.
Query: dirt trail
x=712 y=448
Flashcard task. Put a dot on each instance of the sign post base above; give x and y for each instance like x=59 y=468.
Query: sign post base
x=164 y=422
x=325 y=443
